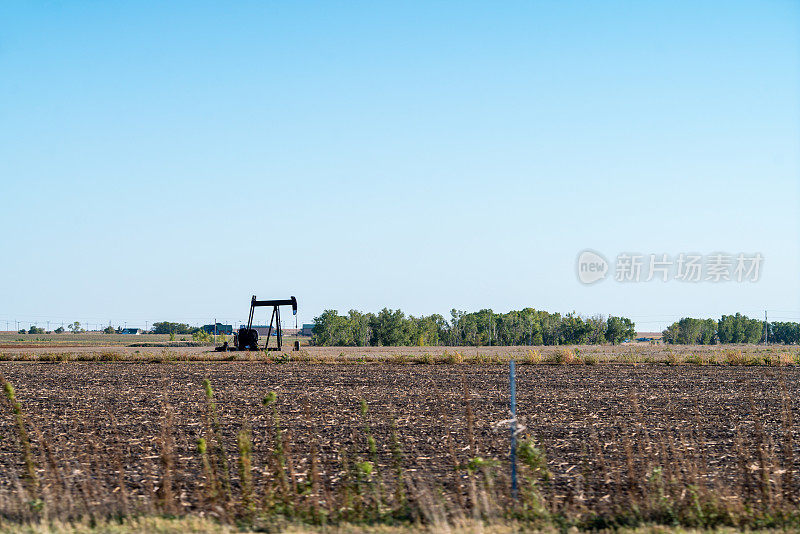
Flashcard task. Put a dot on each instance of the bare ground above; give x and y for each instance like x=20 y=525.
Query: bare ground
x=99 y=417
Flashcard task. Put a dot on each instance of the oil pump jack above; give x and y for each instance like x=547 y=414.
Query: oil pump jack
x=247 y=337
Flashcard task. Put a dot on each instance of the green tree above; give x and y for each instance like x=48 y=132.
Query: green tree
x=359 y=326
x=597 y=329
x=454 y=336
x=618 y=329
x=165 y=327
x=784 y=332
x=109 y=330
x=708 y=332
x=75 y=327
x=574 y=330
x=389 y=329
x=199 y=335
x=739 y=329
x=689 y=331
x=670 y=334
x=330 y=329
x=516 y=327
x=551 y=328
x=425 y=330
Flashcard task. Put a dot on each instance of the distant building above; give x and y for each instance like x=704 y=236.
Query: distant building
x=307 y=330
x=649 y=337
x=134 y=331
x=263 y=329
x=221 y=329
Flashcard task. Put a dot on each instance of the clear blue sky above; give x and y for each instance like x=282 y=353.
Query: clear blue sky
x=166 y=160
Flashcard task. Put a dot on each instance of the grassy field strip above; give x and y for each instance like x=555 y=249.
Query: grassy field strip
x=574 y=355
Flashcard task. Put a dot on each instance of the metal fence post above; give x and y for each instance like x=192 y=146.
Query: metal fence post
x=513 y=393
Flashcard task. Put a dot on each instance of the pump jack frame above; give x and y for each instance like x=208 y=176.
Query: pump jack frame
x=247 y=337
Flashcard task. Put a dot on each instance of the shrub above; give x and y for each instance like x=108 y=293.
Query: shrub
x=533 y=356
x=280 y=357
x=454 y=358
x=562 y=355
x=398 y=358
x=200 y=336
x=630 y=356
x=695 y=359
x=590 y=359
x=734 y=357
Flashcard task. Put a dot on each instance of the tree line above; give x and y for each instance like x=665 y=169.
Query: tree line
x=75 y=328
x=736 y=328
x=162 y=327
x=484 y=327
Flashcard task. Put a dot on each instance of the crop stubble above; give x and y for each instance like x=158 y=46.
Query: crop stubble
x=106 y=415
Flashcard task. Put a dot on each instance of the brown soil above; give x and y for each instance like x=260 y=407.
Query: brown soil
x=95 y=414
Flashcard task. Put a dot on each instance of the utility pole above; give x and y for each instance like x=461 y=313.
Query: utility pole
x=766 y=329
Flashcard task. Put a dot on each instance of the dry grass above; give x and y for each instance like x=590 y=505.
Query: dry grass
x=586 y=354
x=562 y=355
x=166 y=525
x=97 y=339
x=533 y=356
